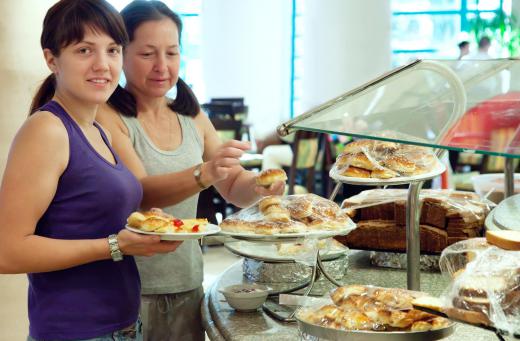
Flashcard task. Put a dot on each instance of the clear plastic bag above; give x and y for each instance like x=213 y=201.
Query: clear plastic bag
x=360 y=307
x=446 y=217
x=289 y=214
x=466 y=206
x=384 y=160
x=485 y=286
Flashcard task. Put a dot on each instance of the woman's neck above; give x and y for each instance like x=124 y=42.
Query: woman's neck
x=150 y=106
x=83 y=114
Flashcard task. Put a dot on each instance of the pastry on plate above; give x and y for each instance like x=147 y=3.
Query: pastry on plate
x=155 y=220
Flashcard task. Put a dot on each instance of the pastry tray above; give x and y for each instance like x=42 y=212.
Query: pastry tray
x=436 y=171
x=505 y=216
x=364 y=335
x=269 y=253
x=286 y=237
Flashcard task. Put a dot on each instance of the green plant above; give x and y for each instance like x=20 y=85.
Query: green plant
x=504 y=29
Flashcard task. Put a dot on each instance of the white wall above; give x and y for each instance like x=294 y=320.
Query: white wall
x=346 y=43
x=246 y=49
x=22 y=67
x=246 y=52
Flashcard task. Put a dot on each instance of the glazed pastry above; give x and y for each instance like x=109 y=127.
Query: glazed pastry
x=356 y=172
x=265 y=202
x=269 y=176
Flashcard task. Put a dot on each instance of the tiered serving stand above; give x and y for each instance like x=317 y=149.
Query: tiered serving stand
x=317 y=268
x=442 y=104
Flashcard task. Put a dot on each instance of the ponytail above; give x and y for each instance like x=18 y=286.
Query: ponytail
x=123 y=102
x=44 y=94
x=185 y=103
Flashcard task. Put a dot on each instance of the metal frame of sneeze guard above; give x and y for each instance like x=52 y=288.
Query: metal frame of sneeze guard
x=412 y=207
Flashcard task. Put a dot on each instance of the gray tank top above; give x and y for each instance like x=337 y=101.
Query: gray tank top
x=181 y=270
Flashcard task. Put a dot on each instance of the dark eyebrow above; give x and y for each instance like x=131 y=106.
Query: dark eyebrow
x=92 y=43
x=153 y=46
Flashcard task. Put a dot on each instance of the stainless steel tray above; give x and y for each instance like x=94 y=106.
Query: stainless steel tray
x=436 y=171
x=505 y=216
x=362 y=335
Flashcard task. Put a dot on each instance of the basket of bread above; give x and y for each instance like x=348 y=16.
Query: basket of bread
x=485 y=283
x=158 y=222
x=288 y=216
x=384 y=161
x=362 y=312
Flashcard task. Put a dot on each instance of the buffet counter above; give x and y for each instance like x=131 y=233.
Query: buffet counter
x=224 y=323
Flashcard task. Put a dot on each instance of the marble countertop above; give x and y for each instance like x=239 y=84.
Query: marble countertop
x=223 y=323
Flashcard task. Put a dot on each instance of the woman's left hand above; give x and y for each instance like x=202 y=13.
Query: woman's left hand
x=276 y=188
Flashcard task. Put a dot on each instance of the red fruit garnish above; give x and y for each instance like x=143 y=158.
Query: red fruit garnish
x=195 y=228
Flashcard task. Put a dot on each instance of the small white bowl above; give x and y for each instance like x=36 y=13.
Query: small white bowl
x=245 y=297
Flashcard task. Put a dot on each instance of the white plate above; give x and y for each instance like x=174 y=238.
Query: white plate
x=437 y=170
x=269 y=252
x=209 y=229
x=281 y=237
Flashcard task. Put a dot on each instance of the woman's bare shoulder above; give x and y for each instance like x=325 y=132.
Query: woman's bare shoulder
x=44 y=125
x=111 y=119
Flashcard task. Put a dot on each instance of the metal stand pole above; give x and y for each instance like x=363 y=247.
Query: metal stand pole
x=413 y=237
x=335 y=191
x=317 y=269
x=290 y=318
x=509 y=171
x=325 y=273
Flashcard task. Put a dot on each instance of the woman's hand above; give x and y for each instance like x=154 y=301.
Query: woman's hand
x=135 y=244
x=226 y=157
x=276 y=188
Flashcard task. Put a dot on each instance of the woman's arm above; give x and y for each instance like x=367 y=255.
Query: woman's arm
x=238 y=186
x=38 y=157
x=158 y=190
x=221 y=167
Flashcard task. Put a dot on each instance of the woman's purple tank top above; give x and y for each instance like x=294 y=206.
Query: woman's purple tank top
x=93 y=199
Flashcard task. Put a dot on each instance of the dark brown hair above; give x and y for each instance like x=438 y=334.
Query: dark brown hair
x=65 y=23
x=134 y=15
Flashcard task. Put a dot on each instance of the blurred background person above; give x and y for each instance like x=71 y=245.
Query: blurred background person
x=483 y=50
x=463 y=49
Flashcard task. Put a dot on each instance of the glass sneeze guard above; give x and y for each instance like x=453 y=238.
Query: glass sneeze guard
x=464 y=105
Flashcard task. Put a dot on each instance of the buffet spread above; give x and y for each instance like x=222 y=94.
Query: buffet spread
x=290 y=226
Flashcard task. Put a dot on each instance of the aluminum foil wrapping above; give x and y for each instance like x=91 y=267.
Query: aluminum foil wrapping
x=308 y=337
x=263 y=272
x=398 y=261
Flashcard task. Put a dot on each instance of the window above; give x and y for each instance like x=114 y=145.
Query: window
x=296 y=61
x=191 y=59
x=433 y=28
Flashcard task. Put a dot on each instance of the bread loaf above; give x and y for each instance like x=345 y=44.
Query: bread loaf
x=460 y=215
x=385 y=235
x=508 y=240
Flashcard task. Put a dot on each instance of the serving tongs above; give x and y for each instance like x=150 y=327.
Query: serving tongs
x=434 y=305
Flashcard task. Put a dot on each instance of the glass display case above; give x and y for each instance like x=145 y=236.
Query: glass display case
x=462 y=105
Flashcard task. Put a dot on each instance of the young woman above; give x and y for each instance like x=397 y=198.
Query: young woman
x=173 y=148
x=65 y=194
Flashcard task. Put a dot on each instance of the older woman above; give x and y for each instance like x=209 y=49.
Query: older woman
x=173 y=148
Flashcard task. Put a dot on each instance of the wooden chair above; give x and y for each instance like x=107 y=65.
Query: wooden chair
x=228 y=129
x=210 y=201
x=311 y=152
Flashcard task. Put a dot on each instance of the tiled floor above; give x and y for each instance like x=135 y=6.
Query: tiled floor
x=13 y=293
